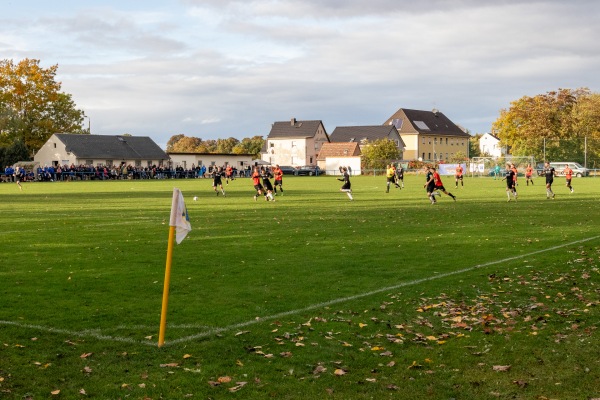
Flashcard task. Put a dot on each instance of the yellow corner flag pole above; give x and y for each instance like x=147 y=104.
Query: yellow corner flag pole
x=165 y=301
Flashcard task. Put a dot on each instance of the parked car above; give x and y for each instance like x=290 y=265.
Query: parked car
x=559 y=167
x=287 y=169
x=309 y=170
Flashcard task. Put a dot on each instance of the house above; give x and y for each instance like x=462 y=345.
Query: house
x=100 y=150
x=335 y=155
x=187 y=160
x=489 y=145
x=367 y=134
x=294 y=143
x=429 y=135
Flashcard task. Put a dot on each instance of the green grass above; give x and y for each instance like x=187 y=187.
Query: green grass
x=312 y=296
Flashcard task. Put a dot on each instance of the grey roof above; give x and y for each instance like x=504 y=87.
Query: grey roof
x=425 y=122
x=112 y=147
x=294 y=128
x=359 y=133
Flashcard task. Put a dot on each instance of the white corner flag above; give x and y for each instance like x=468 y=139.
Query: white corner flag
x=179 y=216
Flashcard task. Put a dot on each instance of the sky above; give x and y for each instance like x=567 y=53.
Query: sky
x=225 y=68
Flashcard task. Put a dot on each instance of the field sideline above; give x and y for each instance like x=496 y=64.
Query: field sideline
x=84 y=261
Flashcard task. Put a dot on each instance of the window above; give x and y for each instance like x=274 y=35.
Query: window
x=293 y=143
x=89 y=162
x=311 y=160
x=138 y=163
x=109 y=163
x=54 y=145
x=271 y=144
x=446 y=140
x=434 y=140
x=423 y=142
x=429 y=156
x=149 y=163
x=423 y=156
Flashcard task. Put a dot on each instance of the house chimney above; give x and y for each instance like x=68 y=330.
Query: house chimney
x=293 y=121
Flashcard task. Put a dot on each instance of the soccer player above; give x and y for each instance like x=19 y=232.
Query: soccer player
x=266 y=175
x=346 y=187
x=510 y=182
x=228 y=174
x=439 y=185
x=514 y=169
x=569 y=176
x=528 y=174
x=18 y=173
x=459 y=176
x=256 y=181
x=429 y=184
x=400 y=176
x=391 y=177
x=278 y=179
x=550 y=173
x=217 y=174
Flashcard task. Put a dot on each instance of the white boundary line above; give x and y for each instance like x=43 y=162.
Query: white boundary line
x=95 y=333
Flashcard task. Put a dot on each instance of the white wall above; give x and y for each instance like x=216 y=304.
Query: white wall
x=333 y=164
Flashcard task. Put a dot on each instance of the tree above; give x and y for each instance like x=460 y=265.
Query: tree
x=32 y=106
x=552 y=124
x=17 y=151
x=473 y=146
x=225 y=146
x=379 y=153
x=251 y=145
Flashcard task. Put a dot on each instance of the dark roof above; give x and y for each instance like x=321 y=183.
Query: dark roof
x=359 y=133
x=425 y=122
x=112 y=147
x=294 y=128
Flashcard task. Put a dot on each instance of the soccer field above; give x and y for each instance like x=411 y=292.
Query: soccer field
x=84 y=262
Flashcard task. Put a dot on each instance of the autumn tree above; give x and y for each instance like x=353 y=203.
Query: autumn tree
x=225 y=146
x=552 y=124
x=32 y=106
x=379 y=153
x=251 y=145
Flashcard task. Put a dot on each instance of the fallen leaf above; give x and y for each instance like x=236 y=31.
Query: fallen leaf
x=238 y=386
x=185 y=356
x=319 y=370
x=87 y=370
x=501 y=368
x=169 y=365
x=55 y=392
x=85 y=355
x=82 y=391
x=371 y=380
x=340 y=372
x=224 y=379
x=239 y=363
x=362 y=325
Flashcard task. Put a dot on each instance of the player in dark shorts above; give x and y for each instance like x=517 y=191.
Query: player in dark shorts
x=509 y=176
x=390 y=175
x=347 y=186
x=569 y=176
x=458 y=176
x=217 y=175
x=266 y=175
x=400 y=176
x=550 y=173
x=278 y=173
x=429 y=185
x=529 y=174
x=256 y=182
x=439 y=186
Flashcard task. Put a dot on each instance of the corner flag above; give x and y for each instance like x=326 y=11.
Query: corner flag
x=180 y=223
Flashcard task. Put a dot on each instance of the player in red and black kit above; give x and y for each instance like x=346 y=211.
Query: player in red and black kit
x=256 y=181
x=510 y=182
x=459 y=176
x=278 y=173
x=430 y=185
x=528 y=174
x=439 y=185
x=569 y=176
x=228 y=174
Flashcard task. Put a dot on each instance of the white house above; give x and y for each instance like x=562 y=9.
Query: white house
x=490 y=145
x=100 y=150
x=294 y=143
